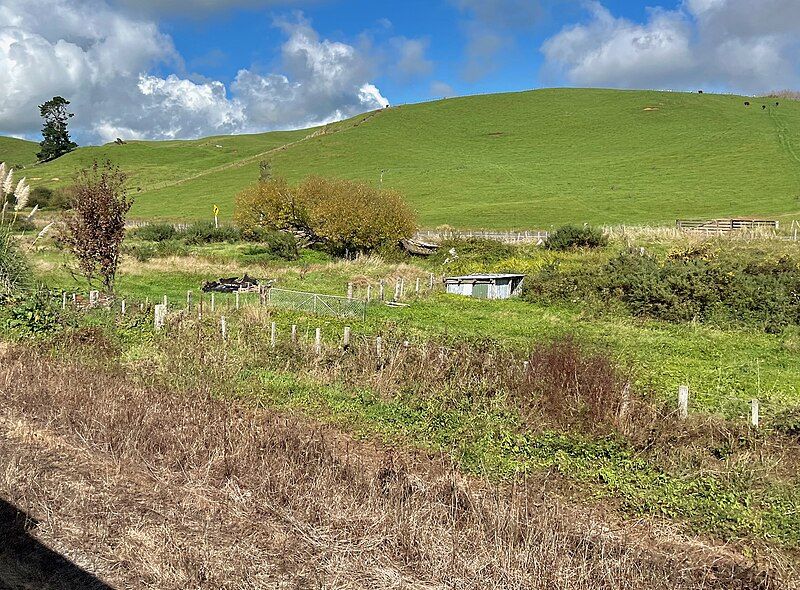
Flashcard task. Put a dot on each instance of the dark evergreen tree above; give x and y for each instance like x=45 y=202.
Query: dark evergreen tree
x=56 y=141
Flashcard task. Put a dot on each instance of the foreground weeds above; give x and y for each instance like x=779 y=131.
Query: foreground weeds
x=168 y=490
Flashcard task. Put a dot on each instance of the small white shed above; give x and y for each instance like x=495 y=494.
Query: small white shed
x=485 y=286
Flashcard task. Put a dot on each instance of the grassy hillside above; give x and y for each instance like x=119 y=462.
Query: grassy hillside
x=530 y=159
x=17 y=152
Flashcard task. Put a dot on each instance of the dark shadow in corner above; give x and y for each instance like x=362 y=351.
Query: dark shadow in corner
x=27 y=563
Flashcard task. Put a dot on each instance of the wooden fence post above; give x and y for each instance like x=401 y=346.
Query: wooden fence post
x=349 y=291
x=165 y=301
x=294 y=333
x=417 y=289
x=380 y=290
x=754 y=413
x=402 y=287
x=379 y=346
x=683 y=402
x=64 y=300
x=431 y=282
x=273 y=335
x=188 y=300
x=346 y=338
x=318 y=341
x=122 y=307
x=397 y=290
x=159 y=316
x=369 y=293
x=223 y=326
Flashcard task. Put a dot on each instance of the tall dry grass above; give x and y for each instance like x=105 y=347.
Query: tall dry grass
x=161 y=490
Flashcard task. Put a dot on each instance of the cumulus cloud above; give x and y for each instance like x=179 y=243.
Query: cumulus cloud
x=412 y=60
x=490 y=27
x=735 y=45
x=104 y=61
x=441 y=89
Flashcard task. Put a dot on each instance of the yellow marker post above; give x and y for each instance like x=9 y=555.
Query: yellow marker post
x=216 y=217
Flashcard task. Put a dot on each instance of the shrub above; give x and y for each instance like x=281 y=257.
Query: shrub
x=62 y=198
x=341 y=214
x=272 y=243
x=96 y=227
x=156 y=232
x=205 y=232
x=15 y=274
x=40 y=197
x=36 y=315
x=569 y=237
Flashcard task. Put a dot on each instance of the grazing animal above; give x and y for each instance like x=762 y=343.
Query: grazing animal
x=699 y=92
x=747 y=104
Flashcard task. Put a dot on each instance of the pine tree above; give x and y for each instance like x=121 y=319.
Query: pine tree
x=56 y=141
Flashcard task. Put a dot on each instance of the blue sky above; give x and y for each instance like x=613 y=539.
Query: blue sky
x=218 y=43
x=166 y=69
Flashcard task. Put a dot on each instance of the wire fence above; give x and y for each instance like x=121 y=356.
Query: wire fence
x=331 y=305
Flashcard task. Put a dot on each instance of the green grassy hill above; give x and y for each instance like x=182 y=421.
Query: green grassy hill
x=522 y=160
x=17 y=152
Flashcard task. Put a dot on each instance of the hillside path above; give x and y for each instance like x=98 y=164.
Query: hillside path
x=255 y=157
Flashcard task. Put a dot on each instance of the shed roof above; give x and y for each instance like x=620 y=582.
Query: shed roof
x=486 y=277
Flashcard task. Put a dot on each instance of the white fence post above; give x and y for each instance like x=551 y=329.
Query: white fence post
x=223 y=326
x=369 y=293
x=294 y=333
x=273 y=335
x=159 y=316
x=346 y=338
x=380 y=290
x=754 y=413
x=318 y=341
x=237 y=299
x=379 y=346
x=64 y=300
x=683 y=402
x=122 y=306
x=350 y=291
x=417 y=289
x=165 y=301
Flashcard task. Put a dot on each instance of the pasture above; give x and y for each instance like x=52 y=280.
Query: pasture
x=527 y=160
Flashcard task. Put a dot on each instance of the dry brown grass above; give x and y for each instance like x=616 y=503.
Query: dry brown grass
x=156 y=490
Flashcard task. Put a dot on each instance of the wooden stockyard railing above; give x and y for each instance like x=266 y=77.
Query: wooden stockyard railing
x=721 y=226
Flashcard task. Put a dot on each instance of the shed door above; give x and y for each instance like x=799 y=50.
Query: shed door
x=480 y=290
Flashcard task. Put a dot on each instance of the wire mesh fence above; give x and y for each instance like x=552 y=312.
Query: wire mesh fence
x=340 y=307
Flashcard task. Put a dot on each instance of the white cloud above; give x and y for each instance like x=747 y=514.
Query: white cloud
x=412 y=60
x=490 y=27
x=736 y=45
x=441 y=89
x=103 y=60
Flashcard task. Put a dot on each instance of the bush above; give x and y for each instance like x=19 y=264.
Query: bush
x=690 y=285
x=36 y=315
x=15 y=275
x=341 y=214
x=204 y=232
x=274 y=244
x=156 y=232
x=62 y=198
x=40 y=197
x=570 y=237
